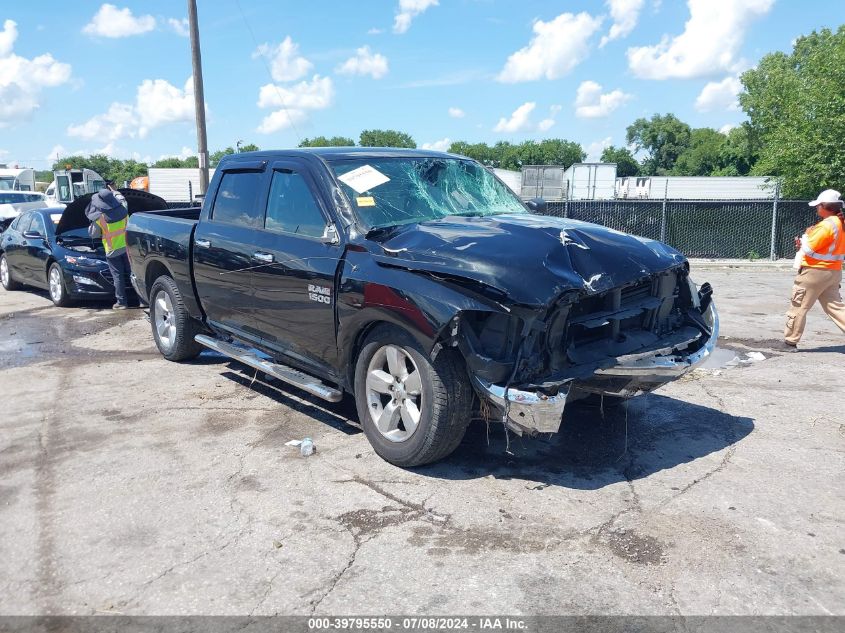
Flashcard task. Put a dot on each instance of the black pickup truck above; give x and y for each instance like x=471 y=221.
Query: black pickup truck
x=422 y=285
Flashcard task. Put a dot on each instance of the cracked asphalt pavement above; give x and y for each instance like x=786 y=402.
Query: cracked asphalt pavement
x=132 y=485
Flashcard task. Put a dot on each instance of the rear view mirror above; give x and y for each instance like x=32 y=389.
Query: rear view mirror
x=537 y=205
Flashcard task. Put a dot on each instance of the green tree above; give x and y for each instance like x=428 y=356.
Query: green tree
x=704 y=155
x=740 y=152
x=109 y=168
x=323 y=141
x=663 y=138
x=174 y=162
x=626 y=164
x=215 y=157
x=386 y=138
x=250 y=147
x=506 y=155
x=796 y=106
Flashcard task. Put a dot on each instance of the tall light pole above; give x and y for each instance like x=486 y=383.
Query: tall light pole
x=199 y=96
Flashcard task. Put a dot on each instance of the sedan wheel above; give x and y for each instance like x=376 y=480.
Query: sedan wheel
x=4 y=272
x=394 y=393
x=165 y=324
x=56 y=285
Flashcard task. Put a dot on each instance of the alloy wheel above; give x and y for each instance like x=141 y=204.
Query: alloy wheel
x=4 y=271
x=394 y=393
x=56 y=288
x=165 y=320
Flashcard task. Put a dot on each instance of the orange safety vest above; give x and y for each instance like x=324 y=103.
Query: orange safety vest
x=824 y=245
x=114 y=234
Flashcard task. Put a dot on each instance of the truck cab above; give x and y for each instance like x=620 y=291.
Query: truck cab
x=70 y=184
x=17 y=179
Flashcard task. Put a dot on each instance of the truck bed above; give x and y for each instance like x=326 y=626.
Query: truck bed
x=163 y=239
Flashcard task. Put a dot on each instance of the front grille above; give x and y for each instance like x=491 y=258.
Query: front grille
x=621 y=321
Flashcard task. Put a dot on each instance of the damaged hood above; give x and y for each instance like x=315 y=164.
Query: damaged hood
x=73 y=216
x=530 y=258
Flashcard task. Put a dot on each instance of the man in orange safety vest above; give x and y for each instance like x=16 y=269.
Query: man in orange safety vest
x=820 y=273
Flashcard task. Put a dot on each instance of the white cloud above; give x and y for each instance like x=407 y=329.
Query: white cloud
x=591 y=103
x=442 y=145
x=186 y=152
x=118 y=121
x=58 y=150
x=709 y=44
x=364 y=62
x=595 y=149
x=281 y=120
x=456 y=113
x=625 y=14
x=157 y=103
x=180 y=27
x=375 y=31
x=286 y=64
x=556 y=48
x=719 y=95
x=727 y=127
x=22 y=80
x=408 y=10
x=112 y=22
x=293 y=103
x=519 y=120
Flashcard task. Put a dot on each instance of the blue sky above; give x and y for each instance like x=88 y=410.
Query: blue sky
x=86 y=76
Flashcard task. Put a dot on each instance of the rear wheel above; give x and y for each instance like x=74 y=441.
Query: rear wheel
x=173 y=328
x=414 y=410
x=6 y=275
x=56 y=282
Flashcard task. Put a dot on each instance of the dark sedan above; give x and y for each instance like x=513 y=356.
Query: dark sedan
x=50 y=249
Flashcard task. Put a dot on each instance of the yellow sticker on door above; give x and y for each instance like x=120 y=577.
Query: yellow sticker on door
x=365 y=201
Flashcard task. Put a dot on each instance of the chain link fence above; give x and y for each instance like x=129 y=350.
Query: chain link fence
x=729 y=229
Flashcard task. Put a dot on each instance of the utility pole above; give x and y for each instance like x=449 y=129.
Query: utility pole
x=199 y=96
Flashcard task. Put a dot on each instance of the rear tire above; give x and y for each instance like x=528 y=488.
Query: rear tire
x=6 y=275
x=173 y=328
x=419 y=418
x=56 y=286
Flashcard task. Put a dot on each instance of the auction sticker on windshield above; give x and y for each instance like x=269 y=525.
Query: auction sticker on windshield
x=364 y=178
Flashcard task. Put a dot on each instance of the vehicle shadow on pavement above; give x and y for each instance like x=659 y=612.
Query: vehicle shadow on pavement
x=592 y=450
x=341 y=416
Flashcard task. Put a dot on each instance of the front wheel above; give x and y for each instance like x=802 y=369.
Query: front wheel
x=56 y=282
x=6 y=275
x=413 y=410
x=173 y=328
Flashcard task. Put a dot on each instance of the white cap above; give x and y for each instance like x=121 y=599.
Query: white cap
x=828 y=196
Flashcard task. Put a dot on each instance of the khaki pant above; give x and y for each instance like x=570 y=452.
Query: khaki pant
x=811 y=285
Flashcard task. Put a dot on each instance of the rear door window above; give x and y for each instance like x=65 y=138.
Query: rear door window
x=292 y=207
x=237 y=199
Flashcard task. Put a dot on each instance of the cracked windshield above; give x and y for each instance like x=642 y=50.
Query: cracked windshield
x=392 y=191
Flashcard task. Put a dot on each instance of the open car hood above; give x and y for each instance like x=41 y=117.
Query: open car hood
x=73 y=217
x=530 y=258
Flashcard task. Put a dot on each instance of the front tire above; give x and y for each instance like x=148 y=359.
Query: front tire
x=414 y=411
x=6 y=275
x=56 y=285
x=173 y=328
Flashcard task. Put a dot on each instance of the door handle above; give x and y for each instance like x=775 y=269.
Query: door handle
x=267 y=258
x=202 y=243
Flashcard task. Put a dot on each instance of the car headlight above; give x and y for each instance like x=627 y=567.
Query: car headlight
x=81 y=260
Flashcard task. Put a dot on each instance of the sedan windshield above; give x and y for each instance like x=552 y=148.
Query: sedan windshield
x=392 y=191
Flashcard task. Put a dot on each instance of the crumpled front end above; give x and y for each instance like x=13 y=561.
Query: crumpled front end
x=529 y=364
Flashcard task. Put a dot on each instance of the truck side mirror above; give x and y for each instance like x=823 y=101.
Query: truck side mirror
x=537 y=205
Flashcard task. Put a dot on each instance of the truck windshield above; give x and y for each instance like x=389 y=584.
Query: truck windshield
x=392 y=191
x=7 y=183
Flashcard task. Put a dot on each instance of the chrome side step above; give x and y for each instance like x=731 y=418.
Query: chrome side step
x=281 y=372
